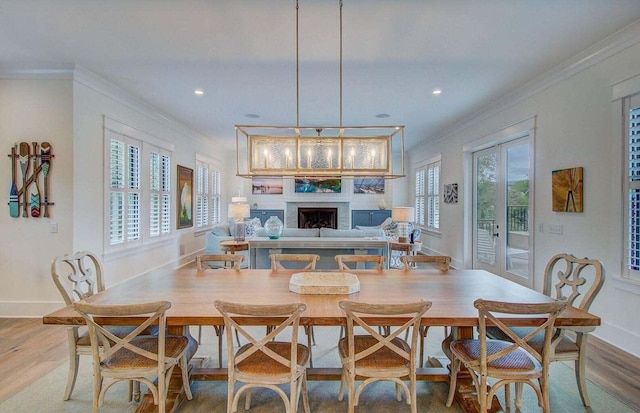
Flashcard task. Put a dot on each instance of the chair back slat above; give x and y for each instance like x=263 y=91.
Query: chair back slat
x=278 y=259
x=343 y=260
x=409 y=261
x=489 y=313
x=77 y=276
x=575 y=280
x=226 y=261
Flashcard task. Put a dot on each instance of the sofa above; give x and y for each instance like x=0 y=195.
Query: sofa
x=326 y=242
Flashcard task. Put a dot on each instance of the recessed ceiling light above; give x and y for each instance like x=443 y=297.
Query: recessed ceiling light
x=199 y=92
x=383 y=115
x=252 y=116
x=436 y=91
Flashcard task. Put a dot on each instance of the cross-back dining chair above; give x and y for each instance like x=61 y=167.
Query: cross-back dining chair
x=409 y=263
x=137 y=356
x=78 y=276
x=297 y=261
x=350 y=261
x=377 y=357
x=293 y=261
x=263 y=361
x=204 y=261
x=578 y=281
x=507 y=362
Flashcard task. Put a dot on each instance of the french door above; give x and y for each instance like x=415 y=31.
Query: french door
x=501 y=218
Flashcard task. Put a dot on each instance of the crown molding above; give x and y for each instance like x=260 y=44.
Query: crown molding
x=40 y=74
x=600 y=51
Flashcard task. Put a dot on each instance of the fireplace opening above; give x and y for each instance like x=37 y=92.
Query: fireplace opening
x=318 y=218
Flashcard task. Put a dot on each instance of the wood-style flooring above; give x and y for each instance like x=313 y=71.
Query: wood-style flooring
x=33 y=349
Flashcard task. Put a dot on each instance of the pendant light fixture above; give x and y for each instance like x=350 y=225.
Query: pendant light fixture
x=319 y=151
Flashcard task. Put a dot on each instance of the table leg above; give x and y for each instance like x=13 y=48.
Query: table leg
x=175 y=393
x=466 y=395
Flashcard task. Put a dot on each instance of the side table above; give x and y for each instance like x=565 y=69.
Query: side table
x=231 y=247
x=404 y=248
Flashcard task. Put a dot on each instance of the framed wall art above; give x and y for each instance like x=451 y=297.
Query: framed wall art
x=312 y=185
x=185 y=197
x=567 y=190
x=450 y=194
x=271 y=186
x=369 y=185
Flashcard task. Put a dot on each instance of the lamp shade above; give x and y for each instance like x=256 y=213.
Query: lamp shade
x=403 y=214
x=239 y=210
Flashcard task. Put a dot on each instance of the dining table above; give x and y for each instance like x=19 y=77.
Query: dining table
x=192 y=293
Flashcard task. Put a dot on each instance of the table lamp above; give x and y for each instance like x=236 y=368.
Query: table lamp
x=403 y=215
x=239 y=212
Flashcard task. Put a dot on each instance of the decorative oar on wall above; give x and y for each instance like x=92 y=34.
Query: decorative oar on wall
x=28 y=197
x=45 y=164
x=24 y=165
x=35 y=194
x=14 y=203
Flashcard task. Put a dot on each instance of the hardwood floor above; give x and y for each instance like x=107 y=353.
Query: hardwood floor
x=33 y=350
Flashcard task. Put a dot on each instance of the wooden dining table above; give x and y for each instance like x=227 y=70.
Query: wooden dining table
x=192 y=293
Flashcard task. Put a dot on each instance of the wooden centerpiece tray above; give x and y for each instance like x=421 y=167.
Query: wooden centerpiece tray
x=324 y=282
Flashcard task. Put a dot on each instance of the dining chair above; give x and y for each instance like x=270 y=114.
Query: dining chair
x=376 y=261
x=578 y=281
x=377 y=357
x=409 y=263
x=263 y=361
x=506 y=362
x=233 y=261
x=137 y=356
x=297 y=261
x=78 y=276
x=293 y=261
x=203 y=263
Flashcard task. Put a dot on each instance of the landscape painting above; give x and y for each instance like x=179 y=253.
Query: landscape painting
x=369 y=185
x=313 y=185
x=271 y=186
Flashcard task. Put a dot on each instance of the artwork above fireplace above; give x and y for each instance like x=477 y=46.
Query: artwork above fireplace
x=318 y=218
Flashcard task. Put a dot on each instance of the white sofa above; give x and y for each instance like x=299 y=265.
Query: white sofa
x=325 y=242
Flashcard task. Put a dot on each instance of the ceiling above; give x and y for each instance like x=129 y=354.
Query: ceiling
x=242 y=54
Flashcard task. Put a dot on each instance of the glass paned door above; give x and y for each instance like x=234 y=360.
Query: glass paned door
x=501 y=239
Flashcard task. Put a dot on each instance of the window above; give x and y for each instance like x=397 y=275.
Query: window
x=139 y=187
x=427 y=194
x=632 y=187
x=207 y=193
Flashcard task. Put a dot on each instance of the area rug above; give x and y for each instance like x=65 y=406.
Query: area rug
x=45 y=394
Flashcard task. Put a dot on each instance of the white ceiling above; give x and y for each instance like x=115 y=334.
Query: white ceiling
x=242 y=54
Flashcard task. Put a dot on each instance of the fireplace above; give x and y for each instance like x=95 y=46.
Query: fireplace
x=318 y=218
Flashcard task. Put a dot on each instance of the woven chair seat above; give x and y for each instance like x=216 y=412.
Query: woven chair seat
x=516 y=361
x=261 y=364
x=125 y=359
x=382 y=358
x=566 y=345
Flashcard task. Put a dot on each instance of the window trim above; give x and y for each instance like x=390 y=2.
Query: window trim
x=214 y=172
x=113 y=128
x=424 y=166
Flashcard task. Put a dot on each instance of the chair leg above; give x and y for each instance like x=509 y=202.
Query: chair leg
x=455 y=366
x=73 y=374
x=309 y=332
x=519 y=387
x=582 y=381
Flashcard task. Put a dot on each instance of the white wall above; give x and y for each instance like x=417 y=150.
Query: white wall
x=35 y=111
x=69 y=114
x=576 y=124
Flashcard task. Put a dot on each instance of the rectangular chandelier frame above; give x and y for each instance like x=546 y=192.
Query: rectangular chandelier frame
x=335 y=151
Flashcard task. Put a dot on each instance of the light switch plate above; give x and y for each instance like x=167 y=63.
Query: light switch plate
x=555 y=229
